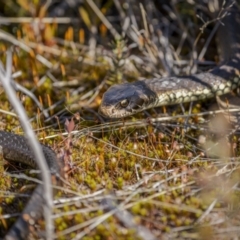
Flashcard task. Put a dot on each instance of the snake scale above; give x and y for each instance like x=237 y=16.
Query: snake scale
x=129 y=98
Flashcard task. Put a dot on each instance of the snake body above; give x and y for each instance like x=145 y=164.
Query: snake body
x=129 y=98
x=15 y=148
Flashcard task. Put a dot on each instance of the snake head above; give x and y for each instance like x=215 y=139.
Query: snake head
x=126 y=99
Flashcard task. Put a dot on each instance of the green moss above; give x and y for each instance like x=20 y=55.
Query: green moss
x=119 y=182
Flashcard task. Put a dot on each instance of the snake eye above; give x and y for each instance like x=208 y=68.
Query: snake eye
x=124 y=103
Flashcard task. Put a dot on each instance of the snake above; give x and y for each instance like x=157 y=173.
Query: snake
x=122 y=100
x=129 y=98
x=15 y=148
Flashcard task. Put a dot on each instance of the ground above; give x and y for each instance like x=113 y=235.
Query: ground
x=166 y=173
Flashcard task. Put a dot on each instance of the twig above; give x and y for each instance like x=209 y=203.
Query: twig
x=6 y=77
x=94 y=7
x=59 y=20
x=8 y=37
x=127 y=219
